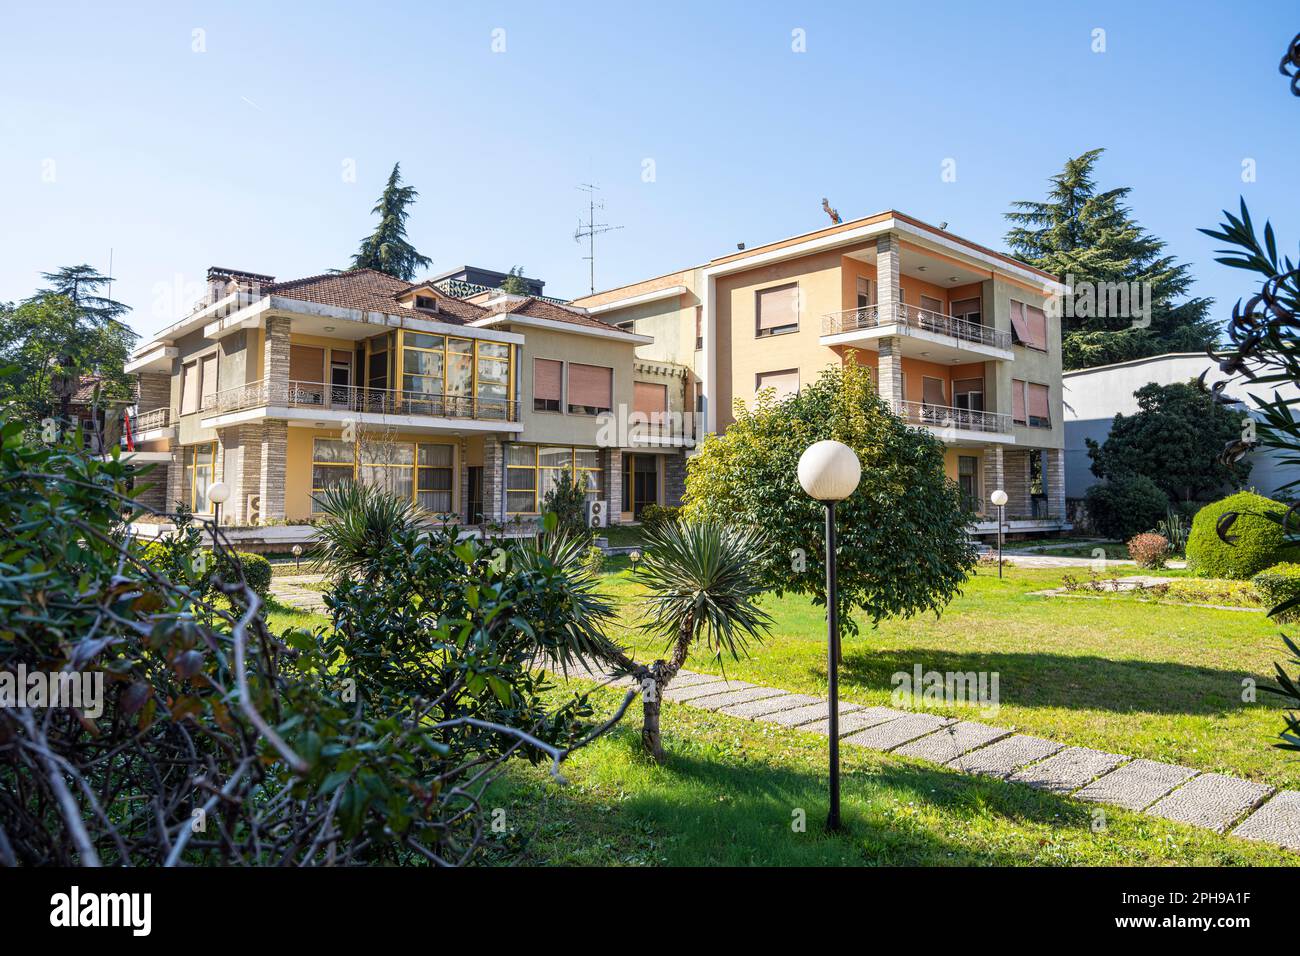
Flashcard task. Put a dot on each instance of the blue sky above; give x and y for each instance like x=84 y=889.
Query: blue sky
x=117 y=134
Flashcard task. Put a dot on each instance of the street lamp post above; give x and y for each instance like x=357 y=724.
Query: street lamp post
x=218 y=492
x=999 y=498
x=829 y=472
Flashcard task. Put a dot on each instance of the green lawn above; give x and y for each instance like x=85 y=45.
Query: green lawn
x=1134 y=677
x=729 y=790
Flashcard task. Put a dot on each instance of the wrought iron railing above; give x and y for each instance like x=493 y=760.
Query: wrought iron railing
x=946 y=416
x=356 y=398
x=915 y=317
x=153 y=419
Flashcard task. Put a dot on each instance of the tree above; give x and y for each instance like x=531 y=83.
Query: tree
x=903 y=543
x=514 y=283
x=703 y=581
x=1092 y=238
x=1175 y=439
x=81 y=284
x=567 y=500
x=386 y=249
x=49 y=334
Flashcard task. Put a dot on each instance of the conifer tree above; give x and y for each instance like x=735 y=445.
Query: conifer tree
x=386 y=249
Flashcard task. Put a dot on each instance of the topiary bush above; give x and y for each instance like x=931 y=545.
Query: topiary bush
x=1149 y=550
x=1276 y=586
x=1126 y=506
x=257 y=571
x=656 y=516
x=1256 y=541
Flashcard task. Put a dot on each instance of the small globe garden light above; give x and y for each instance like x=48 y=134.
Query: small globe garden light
x=296 y=551
x=999 y=498
x=829 y=471
x=218 y=492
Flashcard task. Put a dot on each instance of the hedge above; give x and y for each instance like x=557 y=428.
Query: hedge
x=1125 y=507
x=652 y=516
x=1278 y=584
x=257 y=569
x=1258 y=542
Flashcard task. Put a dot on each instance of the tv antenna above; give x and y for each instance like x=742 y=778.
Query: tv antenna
x=590 y=229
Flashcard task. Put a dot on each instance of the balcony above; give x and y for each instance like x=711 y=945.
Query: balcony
x=662 y=430
x=958 y=425
x=953 y=337
x=339 y=402
x=153 y=425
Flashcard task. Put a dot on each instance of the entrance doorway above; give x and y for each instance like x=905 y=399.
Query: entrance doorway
x=640 y=483
x=474 y=495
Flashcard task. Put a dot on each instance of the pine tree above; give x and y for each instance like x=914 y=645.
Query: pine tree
x=386 y=249
x=514 y=282
x=82 y=285
x=1092 y=238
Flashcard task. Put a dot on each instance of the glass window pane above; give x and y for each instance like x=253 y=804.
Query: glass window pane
x=422 y=363
x=461 y=345
x=422 y=340
x=588 y=458
x=204 y=453
x=436 y=455
x=493 y=350
x=331 y=449
x=435 y=479
x=434 y=502
x=493 y=370
x=521 y=454
x=460 y=374
x=520 y=478
x=387 y=453
x=517 y=501
x=550 y=457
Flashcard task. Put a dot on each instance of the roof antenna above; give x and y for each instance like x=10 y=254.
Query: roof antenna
x=833 y=213
x=590 y=229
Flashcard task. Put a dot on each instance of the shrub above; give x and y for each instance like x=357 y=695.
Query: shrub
x=178 y=558
x=1255 y=542
x=1175 y=527
x=1149 y=550
x=593 y=560
x=567 y=500
x=1126 y=506
x=654 y=517
x=257 y=571
x=1204 y=591
x=1277 y=585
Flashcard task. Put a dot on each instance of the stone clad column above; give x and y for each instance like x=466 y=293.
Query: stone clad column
x=274 y=467
x=275 y=351
x=889 y=374
x=995 y=477
x=1054 y=477
x=494 y=480
x=613 y=465
x=889 y=370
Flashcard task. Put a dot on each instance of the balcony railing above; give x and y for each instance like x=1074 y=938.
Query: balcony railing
x=355 y=398
x=678 y=429
x=915 y=317
x=153 y=419
x=946 y=416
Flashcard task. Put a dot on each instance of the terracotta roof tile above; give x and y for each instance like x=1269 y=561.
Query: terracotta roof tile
x=371 y=291
x=539 y=309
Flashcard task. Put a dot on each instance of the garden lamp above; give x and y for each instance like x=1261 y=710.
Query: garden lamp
x=296 y=550
x=218 y=492
x=999 y=498
x=829 y=471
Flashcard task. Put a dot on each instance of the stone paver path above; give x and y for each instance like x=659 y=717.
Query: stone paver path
x=1214 y=801
x=290 y=589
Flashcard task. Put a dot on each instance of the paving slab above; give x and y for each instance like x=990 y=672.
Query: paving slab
x=1069 y=769
x=682 y=694
x=895 y=733
x=855 y=720
x=756 y=709
x=807 y=714
x=1211 y=800
x=691 y=678
x=1004 y=757
x=952 y=741
x=1136 y=785
x=1277 y=821
x=718 y=701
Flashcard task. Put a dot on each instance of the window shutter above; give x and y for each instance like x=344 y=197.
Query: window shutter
x=1038 y=404
x=547 y=376
x=1017 y=400
x=1018 y=322
x=932 y=391
x=209 y=380
x=778 y=308
x=1036 y=320
x=785 y=382
x=591 y=385
x=189 y=388
x=650 y=400
x=306 y=364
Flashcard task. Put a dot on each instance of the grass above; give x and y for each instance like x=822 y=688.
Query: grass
x=730 y=791
x=1158 y=681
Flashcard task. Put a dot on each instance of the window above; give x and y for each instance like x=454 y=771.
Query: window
x=968 y=309
x=1019 y=327
x=968 y=393
x=548 y=382
x=865 y=299
x=627 y=325
x=1039 y=407
x=445 y=375
x=208 y=393
x=786 y=382
x=332 y=463
x=419 y=471
x=591 y=389
x=699 y=327
x=650 y=400
x=1028 y=326
x=777 y=310
x=968 y=480
x=932 y=391
x=189 y=388
x=931 y=304
x=1018 y=401
x=532 y=471
x=426 y=302
x=199 y=462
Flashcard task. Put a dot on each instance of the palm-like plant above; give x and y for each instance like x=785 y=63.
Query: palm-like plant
x=359 y=522
x=704 y=581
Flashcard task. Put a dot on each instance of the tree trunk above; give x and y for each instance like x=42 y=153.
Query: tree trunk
x=650 y=738
x=654 y=679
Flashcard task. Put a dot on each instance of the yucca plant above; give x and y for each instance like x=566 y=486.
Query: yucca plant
x=704 y=580
x=358 y=523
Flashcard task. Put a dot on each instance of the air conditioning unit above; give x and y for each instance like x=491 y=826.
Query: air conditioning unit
x=597 y=514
